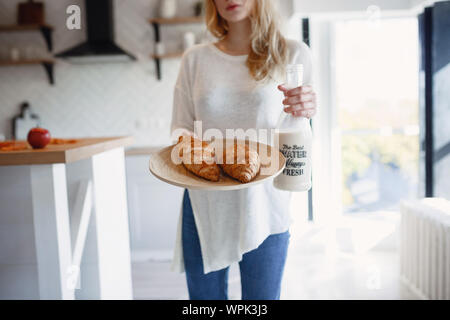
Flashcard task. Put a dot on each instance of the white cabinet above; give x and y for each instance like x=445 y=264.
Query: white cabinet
x=154 y=207
x=46 y=237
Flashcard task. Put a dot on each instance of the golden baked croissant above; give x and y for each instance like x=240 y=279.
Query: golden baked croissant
x=198 y=157
x=244 y=171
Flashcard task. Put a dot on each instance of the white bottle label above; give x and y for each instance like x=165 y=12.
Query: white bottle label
x=296 y=148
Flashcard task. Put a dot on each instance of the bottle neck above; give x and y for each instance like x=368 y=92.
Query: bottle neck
x=303 y=120
x=288 y=123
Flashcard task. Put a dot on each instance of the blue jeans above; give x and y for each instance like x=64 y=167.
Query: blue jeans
x=261 y=269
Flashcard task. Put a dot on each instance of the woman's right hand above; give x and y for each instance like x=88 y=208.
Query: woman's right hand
x=300 y=101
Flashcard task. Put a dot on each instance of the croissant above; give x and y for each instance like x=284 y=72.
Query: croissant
x=198 y=157
x=240 y=169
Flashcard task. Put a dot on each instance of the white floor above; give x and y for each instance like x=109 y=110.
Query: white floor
x=316 y=269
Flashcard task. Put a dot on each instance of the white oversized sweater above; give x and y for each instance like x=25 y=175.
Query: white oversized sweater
x=217 y=89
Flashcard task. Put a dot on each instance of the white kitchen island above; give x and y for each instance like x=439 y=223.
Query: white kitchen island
x=64 y=222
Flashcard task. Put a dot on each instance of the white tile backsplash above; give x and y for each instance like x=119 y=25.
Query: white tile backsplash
x=95 y=99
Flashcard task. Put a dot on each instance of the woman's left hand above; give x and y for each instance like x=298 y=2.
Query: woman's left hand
x=300 y=101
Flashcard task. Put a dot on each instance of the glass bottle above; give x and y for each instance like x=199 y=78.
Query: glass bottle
x=294 y=136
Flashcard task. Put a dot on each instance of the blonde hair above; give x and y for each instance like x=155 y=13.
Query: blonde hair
x=268 y=53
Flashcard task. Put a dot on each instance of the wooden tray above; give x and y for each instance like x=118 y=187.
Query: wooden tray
x=162 y=167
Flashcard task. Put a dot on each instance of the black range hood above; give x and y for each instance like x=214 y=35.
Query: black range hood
x=100 y=45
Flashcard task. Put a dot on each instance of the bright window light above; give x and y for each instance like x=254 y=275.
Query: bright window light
x=377 y=100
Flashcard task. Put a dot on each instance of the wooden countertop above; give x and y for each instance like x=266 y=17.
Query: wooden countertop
x=65 y=153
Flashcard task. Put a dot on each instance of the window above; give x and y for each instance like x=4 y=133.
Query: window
x=377 y=103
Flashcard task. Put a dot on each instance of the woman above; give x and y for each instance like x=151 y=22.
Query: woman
x=232 y=84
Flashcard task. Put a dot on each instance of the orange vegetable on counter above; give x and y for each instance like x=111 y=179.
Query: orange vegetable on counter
x=13 y=145
x=63 y=141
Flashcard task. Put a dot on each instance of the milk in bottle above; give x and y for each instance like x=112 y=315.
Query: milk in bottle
x=294 y=136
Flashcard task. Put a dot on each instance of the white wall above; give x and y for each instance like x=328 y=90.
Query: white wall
x=285 y=7
x=327 y=6
x=95 y=100
x=418 y=4
x=98 y=99
x=318 y=7
x=116 y=99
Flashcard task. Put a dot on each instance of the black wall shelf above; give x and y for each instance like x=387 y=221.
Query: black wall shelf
x=47 y=64
x=45 y=29
x=46 y=32
x=156 y=23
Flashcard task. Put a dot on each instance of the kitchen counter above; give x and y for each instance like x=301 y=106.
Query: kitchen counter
x=59 y=233
x=63 y=153
x=142 y=150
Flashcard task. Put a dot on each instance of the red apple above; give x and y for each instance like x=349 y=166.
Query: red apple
x=38 y=138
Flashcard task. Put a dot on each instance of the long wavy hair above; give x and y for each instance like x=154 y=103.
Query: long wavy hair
x=268 y=54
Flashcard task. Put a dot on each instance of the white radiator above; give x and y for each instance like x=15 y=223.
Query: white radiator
x=425 y=247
